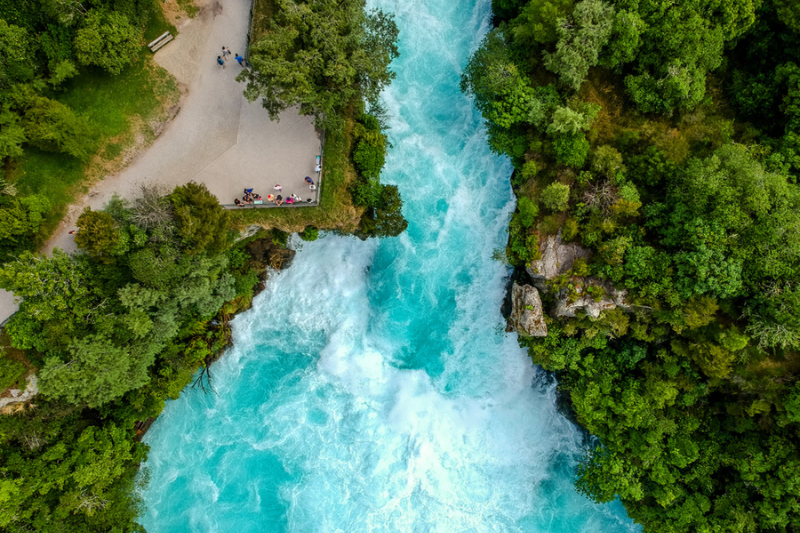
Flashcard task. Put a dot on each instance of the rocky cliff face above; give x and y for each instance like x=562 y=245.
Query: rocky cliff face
x=527 y=315
x=612 y=298
x=17 y=399
x=557 y=258
x=265 y=253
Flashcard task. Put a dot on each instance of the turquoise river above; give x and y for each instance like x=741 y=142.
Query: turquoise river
x=371 y=387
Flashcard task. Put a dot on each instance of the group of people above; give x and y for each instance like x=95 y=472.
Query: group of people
x=224 y=57
x=249 y=198
x=253 y=198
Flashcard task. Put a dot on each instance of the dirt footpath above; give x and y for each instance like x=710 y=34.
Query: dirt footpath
x=217 y=138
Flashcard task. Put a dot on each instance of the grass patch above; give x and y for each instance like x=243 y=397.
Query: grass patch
x=188 y=7
x=14 y=366
x=158 y=23
x=115 y=106
x=335 y=210
x=108 y=101
x=112 y=151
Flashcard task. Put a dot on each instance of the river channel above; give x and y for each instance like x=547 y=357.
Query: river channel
x=371 y=387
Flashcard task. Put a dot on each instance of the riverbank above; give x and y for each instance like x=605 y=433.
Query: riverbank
x=267 y=253
x=647 y=275
x=123 y=326
x=372 y=386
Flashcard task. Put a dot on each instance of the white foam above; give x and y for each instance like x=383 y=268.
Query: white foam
x=371 y=387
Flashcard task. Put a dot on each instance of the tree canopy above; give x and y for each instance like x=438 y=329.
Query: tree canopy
x=114 y=330
x=664 y=139
x=320 y=56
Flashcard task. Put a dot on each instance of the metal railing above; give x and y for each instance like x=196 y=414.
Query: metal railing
x=318 y=190
x=302 y=203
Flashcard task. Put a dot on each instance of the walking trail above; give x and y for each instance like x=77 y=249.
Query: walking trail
x=218 y=137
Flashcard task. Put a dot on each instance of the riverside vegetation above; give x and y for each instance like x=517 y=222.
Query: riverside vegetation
x=331 y=60
x=664 y=137
x=117 y=328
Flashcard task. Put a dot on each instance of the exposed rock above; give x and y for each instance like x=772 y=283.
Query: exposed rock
x=249 y=231
x=267 y=254
x=18 y=398
x=556 y=258
x=612 y=299
x=527 y=316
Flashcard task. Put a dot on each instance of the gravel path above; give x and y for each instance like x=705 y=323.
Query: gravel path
x=218 y=137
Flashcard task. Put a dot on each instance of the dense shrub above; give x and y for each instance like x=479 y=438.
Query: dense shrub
x=571 y=149
x=310 y=234
x=555 y=197
x=107 y=39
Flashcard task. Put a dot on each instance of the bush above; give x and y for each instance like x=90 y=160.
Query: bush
x=367 y=191
x=580 y=267
x=20 y=221
x=549 y=225
x=584 y=177
x=108 y=40
x=571 y=150
x=555 y=197
x=10 y=372
x=202 y=222
x=54 y=127
x=369 y=154
x=523 y=247
x=310 y=234
x=528 y=211
x=369 y=159
x=386 y=218
x=570 y=230
x=522 y=175
x=245 y=283
x=98 y=234
x=529 y=170
x=607 y=161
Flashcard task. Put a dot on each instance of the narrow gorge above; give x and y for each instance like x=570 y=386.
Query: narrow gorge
x=372 y=386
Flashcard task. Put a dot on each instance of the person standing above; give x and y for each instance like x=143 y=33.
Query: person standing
x=220 y=62
x=225 y=52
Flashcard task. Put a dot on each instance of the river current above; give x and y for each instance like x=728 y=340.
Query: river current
x=371 y=387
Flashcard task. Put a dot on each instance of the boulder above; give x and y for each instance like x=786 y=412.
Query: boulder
x=18 y=398
x=527 y=316
x=612 y=299
x=556 y=258
x=265 y=253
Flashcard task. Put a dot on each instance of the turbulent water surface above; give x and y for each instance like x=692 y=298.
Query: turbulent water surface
x=371 y=387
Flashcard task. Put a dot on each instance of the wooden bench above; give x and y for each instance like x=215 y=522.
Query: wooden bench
x=159 y=43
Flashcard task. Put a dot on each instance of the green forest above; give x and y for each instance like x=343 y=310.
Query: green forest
x=142 y=309
x=113 y=332
x=664 y=137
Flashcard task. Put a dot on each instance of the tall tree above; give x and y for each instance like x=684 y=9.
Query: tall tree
x=320 y=56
